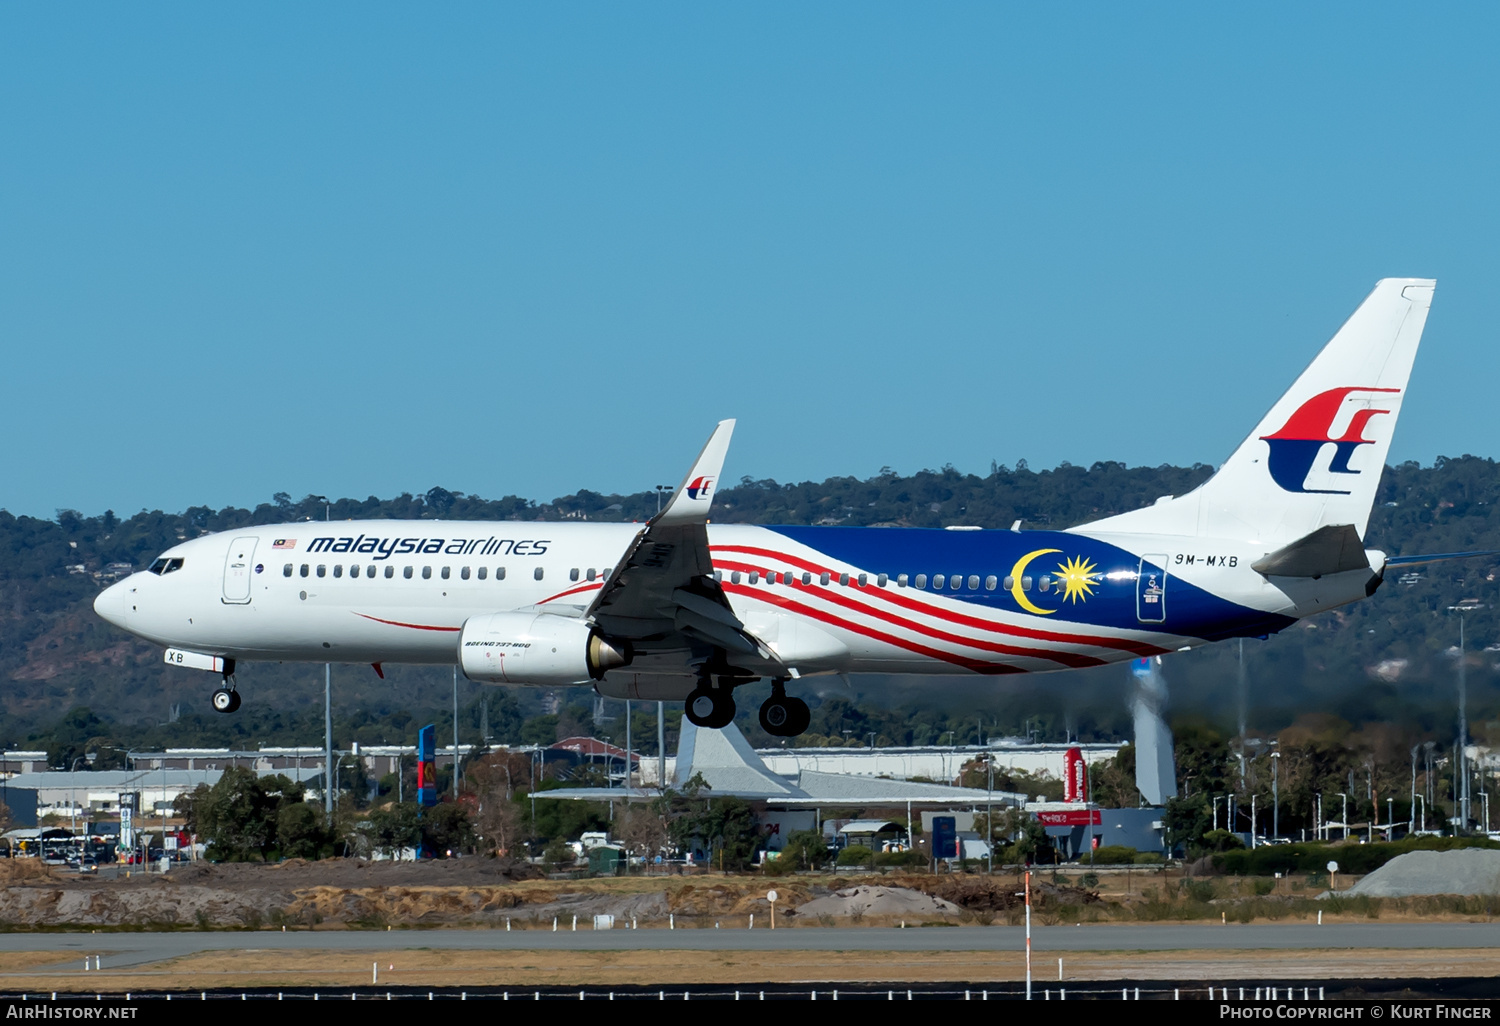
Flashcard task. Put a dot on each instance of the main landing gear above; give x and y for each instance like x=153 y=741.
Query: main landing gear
x=781 y=716
x=710 y=706
x=227 y=699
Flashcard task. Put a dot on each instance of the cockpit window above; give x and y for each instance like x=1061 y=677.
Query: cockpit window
x=163 y=565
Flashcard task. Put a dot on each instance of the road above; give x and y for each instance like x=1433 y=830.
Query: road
x=123 y=950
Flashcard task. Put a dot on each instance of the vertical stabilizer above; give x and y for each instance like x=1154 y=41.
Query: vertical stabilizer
x=1316 y=458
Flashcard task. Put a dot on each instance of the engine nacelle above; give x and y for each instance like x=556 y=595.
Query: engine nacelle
x=535 y=648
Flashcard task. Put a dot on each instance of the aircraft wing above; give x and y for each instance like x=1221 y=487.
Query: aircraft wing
x=664 y=587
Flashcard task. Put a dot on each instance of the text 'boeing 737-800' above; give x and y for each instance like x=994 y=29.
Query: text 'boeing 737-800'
x=678 y=609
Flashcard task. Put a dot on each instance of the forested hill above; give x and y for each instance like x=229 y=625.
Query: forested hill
x=1381 y=659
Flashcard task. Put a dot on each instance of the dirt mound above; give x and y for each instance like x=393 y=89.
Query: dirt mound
x=878 y=901
x=997 y=893
x=1470 y=871
x=24 y=871
x=295 y=873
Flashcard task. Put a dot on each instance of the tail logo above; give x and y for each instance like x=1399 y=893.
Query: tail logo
x=1310 y=427
x=699 y=487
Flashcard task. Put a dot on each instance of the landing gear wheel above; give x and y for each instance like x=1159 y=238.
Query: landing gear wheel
x=226 y=701
x=781 y=716
x=710 y=707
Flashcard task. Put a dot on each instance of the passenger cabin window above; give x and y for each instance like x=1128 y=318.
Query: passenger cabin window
x=484 y=572
x=322 y=570
x=338 y=569
x=844 y=580
x=463 y=574
x=990 y=582
x=937 y=582
x=427 y=573
x=305 y=569
x=354 y=570
x=881 y=581
x=573 y=574
x=1046 y=583
x=591 y=574
x=806 y=578
x=286 y=571
x=536 y=574
x=1008 y=583
x=823 y=579
x=921 y=581
x=406 y=572
x=864 y=579
x=446 y=573
x=390 y=572
x=973 y=582
x=734 y=577
x=901 y=580
x=499 y=573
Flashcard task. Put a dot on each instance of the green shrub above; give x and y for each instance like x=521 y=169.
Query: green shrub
x=856 y=855
x=1110 y=855
x=1311 y=858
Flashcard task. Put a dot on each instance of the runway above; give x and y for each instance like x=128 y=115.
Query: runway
x=125 y=950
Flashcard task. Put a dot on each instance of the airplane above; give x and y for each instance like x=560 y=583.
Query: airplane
x=678 y=609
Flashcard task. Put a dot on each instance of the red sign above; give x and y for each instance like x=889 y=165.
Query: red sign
x=1075 y=777
x=1069 y=818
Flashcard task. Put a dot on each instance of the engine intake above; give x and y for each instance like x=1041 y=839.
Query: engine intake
x=539 y=649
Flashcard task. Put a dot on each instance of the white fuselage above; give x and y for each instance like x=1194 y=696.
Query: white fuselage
x=932 y=602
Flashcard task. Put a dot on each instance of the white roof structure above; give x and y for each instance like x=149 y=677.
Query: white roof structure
x=729 y=767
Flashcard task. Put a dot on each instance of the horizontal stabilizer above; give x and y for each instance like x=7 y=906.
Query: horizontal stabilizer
x=1438 y=557
x=1333 y=549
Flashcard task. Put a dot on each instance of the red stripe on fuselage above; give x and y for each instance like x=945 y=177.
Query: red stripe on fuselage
x=413 y=626
x=1122 y=644
x=977 y=665
x=839 y=597
x=572 y=591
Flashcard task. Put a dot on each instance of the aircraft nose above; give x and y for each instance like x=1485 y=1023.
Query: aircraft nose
x=111 y=603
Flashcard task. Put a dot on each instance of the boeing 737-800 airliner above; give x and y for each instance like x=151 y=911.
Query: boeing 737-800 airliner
x=676 y=609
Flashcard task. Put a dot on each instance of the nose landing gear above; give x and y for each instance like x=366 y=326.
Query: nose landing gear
x=782 y=716
x=227 y=699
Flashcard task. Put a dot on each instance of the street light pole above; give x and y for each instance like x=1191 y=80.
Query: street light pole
x=327 y=712
x=328 y=741
x=1275 y=795
x=1461 y=756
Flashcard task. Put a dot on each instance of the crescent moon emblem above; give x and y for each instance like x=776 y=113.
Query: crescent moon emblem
x=1015 y=590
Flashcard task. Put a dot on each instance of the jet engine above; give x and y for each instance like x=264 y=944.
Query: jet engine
x=541 y=649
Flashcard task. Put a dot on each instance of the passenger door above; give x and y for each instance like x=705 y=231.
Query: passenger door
x=1151 y=589
x=238 y=569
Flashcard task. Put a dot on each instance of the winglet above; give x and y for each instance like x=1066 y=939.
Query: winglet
x=691 y=501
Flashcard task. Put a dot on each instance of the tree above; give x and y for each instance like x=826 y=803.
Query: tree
x=804 y=849
x=498 y=817
x=241 y=814
x=446 y=829
x=1185 y=821
x=300 y=831
x=395 y=827
x=642 y=831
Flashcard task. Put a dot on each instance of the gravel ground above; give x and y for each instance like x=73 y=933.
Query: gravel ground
x=1469 y=871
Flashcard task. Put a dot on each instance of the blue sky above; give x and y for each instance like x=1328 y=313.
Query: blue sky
x=360 y=249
